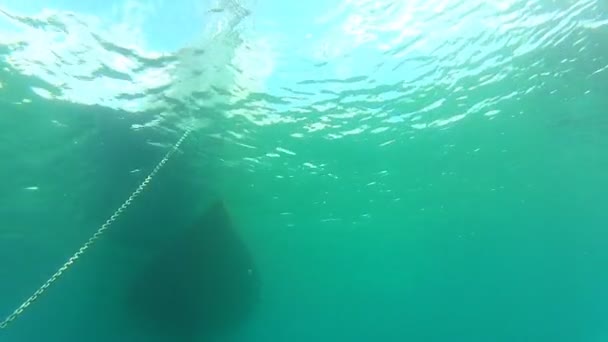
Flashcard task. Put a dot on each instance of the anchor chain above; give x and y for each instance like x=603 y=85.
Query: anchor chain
x=95 y=236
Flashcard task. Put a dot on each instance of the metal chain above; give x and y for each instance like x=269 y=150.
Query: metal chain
x=95 y=236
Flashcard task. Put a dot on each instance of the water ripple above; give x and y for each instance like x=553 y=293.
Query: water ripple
x=379 y=72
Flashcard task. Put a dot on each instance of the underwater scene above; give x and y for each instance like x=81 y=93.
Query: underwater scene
x=296 y=171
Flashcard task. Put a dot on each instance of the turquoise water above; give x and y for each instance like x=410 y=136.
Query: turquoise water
x=398 y=170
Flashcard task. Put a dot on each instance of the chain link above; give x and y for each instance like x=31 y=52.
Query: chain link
x=95 y=236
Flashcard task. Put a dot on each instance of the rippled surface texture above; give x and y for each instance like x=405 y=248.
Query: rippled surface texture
x=400 y=170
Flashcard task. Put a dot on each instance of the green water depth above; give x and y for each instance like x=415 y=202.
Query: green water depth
x=399 y=171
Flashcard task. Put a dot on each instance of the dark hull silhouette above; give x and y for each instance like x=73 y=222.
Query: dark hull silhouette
x=204 y=284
